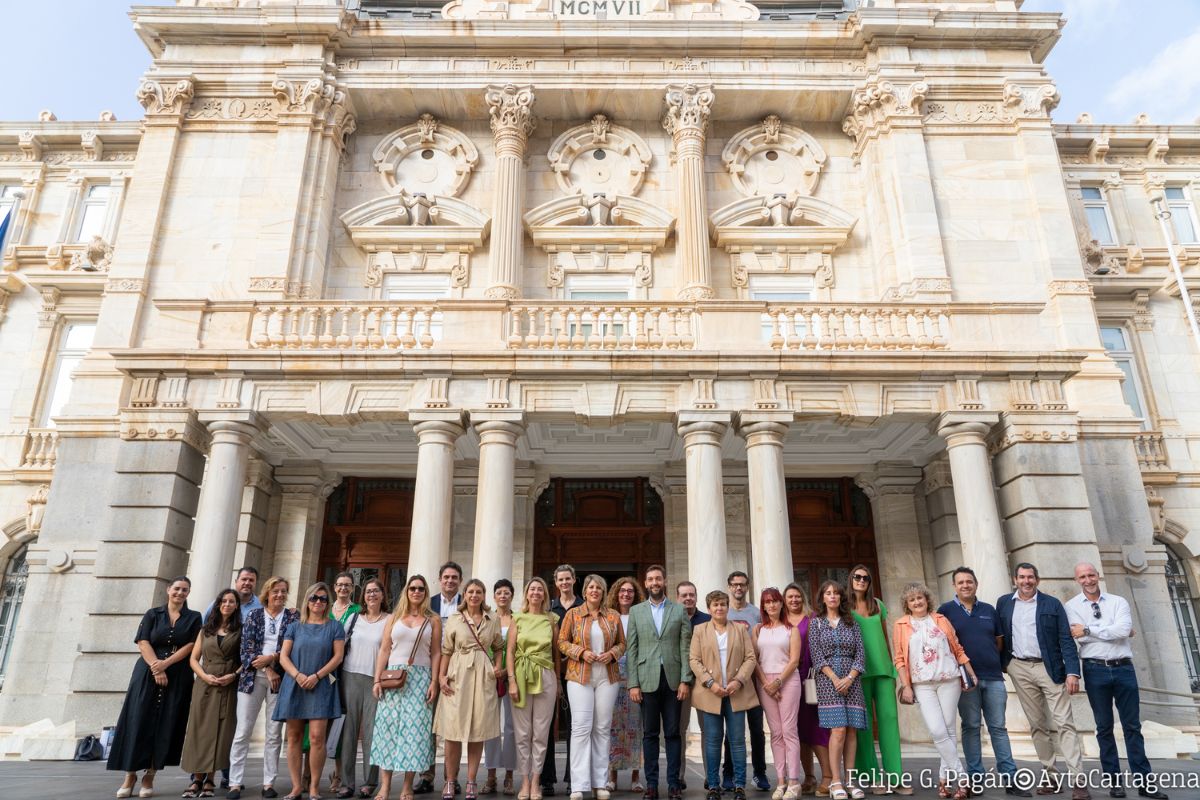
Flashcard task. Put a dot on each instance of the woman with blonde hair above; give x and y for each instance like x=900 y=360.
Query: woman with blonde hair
x=813 y=738
x=469 y=710
x=313 y=647
x=625 y=749
x=928 y=657
x=260 y=679
x=592 y=639
x=404 y=716
x=532 y=681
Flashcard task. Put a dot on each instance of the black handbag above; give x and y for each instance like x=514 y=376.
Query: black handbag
x=89 y=749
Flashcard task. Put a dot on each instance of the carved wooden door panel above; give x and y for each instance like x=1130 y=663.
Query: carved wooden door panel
x=831 y=531
x=368 y=525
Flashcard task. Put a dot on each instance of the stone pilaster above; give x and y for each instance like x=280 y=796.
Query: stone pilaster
x=942 y=516
x=983 y=543
x=215 y=538
x=770 y=530
x=305 y=488
x=686 y=119
x=493 y=552
x=253 y=520
x=433 y=506
x=512 y=120
x=702 y=432
x=892 y=490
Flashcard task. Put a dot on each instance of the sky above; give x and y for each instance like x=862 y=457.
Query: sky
x=1116 y=59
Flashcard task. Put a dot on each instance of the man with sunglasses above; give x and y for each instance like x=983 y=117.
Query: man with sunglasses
x=1102 y=626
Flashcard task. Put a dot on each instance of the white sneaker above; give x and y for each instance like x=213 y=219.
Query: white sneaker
x=602 y=794
x=576 y=795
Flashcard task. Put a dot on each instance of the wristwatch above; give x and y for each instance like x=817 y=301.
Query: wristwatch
x=1087 y=631
x=708 y=684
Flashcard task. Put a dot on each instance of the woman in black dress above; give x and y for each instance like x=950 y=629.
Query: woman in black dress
x=153 y=720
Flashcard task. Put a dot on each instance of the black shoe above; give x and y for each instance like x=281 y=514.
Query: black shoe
x=727 y=784
x=269 y=792
x=674 y=794
x=424 y=786
x=1153 y=794
x=739 y=793
x=761 y=783
x=713 y=794
x=234 y=794
x=1016 y=791
x=224 y=783
x=651 y=793
x=548 y=791
x=682 y=785
x=1116 y=791
x=457 y=788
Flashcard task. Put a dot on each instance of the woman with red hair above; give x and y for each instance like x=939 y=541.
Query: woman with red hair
x=777 y=645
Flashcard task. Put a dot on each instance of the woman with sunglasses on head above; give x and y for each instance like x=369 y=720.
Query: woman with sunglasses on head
x=835 y=639
x=879 y=688
x=469 y=710
x=501 y=752
x=259 y=681
x=216 y=660
x=358 y=678
x=533 y=682
x=404 y=715
x=813 y=738
x=313 y=647
x=777 y=645
x=153 y=721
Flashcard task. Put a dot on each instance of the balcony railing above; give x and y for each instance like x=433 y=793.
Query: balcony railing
x=339 y=326
x=590 y=326
x=41 y=449
x=1151 y=452
x=866 y=328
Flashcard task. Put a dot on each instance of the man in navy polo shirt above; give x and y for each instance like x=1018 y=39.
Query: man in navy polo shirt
x=978 y=628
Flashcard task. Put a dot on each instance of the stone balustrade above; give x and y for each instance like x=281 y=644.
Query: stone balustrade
x=833 y=327
x=41 y=449
x=1151 y=452
x=595 y=326
x=341 y=326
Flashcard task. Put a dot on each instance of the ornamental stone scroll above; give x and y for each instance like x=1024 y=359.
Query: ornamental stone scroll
x=773 y=158
x=599 y=157
x=427 y=158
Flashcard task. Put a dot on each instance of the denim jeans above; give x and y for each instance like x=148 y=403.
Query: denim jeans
x=988 y=700
x=758 y=744
x=1104 y=686
x=717 y=727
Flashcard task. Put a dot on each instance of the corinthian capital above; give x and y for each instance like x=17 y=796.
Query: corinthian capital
x=511 y=110
x=688 y=108
x=165 y=96
x=883 y=99
x=312 y=96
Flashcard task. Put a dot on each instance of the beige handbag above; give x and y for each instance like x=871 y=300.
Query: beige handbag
x=810 y=687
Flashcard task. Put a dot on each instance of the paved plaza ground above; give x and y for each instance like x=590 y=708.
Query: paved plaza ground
x=90 y=781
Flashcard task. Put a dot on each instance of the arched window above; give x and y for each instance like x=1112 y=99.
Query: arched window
x=1183 y=604
x=13 y=589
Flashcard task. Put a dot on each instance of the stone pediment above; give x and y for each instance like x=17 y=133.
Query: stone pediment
x=601 y=10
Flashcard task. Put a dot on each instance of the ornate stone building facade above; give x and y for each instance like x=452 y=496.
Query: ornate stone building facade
x=782 y=288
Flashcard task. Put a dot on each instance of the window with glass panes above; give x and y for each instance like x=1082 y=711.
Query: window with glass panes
x=93 y=212
x=1095 y=208
x=1183 y=214
x=74 y=343
x=1183 y=604
x=1120 y=350
x=783 y=289
x=12 y=594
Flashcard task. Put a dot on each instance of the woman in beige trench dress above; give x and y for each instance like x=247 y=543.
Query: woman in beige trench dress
x=469 y=709
x=216 y=659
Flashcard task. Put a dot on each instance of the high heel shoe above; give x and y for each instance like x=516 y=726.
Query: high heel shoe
x=472 y=792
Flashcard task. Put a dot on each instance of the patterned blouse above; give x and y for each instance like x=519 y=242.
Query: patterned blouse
x=252 y=643
x=574 y=638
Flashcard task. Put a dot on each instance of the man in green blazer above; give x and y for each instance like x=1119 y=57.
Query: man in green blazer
x=656 y=660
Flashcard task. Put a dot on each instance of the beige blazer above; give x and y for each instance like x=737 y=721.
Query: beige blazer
x=705 y=660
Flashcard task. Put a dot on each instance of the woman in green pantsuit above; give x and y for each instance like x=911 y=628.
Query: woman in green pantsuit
x=879 y=688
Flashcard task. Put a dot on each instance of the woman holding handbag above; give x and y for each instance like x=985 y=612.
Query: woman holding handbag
x=469 y=678
x=813 y=738
x=501 y=752
x=406 y=687
x=533 y=682
x=835 y=640
x=932 y=667
x=780 y=690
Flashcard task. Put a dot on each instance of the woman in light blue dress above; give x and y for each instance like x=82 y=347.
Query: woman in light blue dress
x=312 y=650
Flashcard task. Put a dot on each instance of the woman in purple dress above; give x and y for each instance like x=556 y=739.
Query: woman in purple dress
x=813 y=738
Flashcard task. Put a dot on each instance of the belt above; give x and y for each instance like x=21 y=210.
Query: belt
x=1109 y=662
x=1028 y=660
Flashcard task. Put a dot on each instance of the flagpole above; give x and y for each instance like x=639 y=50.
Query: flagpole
x=1163 y=213
x=11 y=233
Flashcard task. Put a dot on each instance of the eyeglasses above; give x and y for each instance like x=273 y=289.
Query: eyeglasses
x=738 y=585
x=420 y=589
x=372 y=591
x=1095 y=611
x=862 y=578
x=319 y=598
x=343 y=586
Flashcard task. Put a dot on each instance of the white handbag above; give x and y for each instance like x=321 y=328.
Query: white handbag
x=810 y=687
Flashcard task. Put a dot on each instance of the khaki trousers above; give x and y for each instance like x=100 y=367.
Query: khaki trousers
x=1043 y=700
x=531 y=726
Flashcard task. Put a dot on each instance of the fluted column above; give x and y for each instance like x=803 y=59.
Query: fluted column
x=511 y=110
x=770 y=531
x=708 y=550
x=498 y=433
x=214 y=537
x=433 y=506
x=975 y=500
x=686 y=120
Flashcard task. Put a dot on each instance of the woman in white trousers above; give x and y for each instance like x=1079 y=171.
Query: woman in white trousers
x=592 y=639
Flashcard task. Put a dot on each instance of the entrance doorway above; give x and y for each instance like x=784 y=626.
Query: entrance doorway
x=368 y=524
x=831 y=531
x=609 y=526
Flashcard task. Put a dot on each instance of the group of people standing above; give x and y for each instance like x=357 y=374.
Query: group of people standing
x=626 y=665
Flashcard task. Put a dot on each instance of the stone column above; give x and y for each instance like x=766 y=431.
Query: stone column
x=498 y=433
x=301 y=516
x=215 y=535
x=892 y=489
x=975 y=499
x=688 y=107
x=770 y=531
x=511 y=110
x=433 y=506
x=708 y=550
x=252 y=521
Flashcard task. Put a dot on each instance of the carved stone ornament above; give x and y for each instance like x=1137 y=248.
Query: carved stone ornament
x=1031 y=102
x=688 y=109
x=96 y=257
x=781 y=234
x=414 y=233
x=596 y=234
x=511 y=110
x=771 y=157
x=426 y=157
x=599 y=158
x=1095 y=260
x=165 y=97
x=881 y=100
x=698 y=10
x=312 y=96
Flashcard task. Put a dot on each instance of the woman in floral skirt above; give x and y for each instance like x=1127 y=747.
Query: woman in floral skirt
x=625 y=747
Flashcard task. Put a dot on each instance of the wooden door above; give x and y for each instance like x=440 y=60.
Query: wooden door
x=368 y=525
x=831 y=531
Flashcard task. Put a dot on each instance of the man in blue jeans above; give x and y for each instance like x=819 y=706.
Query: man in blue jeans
x=1102 y=626
x=978 y=629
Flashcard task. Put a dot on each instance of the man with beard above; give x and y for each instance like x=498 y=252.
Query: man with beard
x=657 y=649
x=743 y=611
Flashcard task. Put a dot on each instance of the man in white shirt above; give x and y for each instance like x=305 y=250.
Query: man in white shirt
x=1102 y=626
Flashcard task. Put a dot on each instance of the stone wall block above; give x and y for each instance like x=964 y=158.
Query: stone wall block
x=1044 y=491
x=174 y=457
x=154 y=525
x=1035 y=459
x=155 y=490
x=1050 y=527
